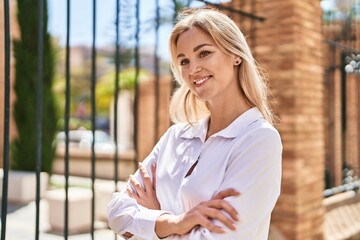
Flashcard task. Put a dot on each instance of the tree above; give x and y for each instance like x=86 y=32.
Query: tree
x=105 y=87
x=23 y=147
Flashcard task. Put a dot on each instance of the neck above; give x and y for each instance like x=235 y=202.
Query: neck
x=223 y=114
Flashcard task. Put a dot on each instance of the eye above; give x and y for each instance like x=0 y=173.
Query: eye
x=184 y=62
x=204 y=53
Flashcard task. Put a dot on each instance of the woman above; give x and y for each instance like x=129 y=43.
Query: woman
x=216 y=173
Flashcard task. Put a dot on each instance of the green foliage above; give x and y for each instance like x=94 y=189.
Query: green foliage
x=105 y=87
x=74 y=123
x=126 y=55
x=23 y=148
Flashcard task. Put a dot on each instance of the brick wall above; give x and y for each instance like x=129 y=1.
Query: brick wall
x=287 y=46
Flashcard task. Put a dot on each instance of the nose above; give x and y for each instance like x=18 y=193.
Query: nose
x=194 y=68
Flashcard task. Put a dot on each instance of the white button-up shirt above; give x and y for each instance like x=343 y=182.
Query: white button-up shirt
x=245 y=156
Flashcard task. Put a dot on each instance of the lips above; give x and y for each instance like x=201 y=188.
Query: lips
x=201 y=81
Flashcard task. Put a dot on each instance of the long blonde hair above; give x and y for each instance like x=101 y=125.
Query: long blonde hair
x=184 y=105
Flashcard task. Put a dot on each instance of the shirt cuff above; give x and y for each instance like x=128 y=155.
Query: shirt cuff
x=147 y=219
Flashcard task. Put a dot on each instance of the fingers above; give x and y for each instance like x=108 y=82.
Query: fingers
x=146 y=177
x=131 y=193
x=218 y=215
x=127 y=235
x=230 y=192
x=137 y=186
x=205 y=222
x=204 y=213
x=153 y=171
x=224 y=205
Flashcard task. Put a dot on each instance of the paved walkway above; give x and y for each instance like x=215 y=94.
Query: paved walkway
x=20 y=223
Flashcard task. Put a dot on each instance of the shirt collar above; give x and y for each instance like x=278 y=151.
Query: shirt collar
x=199 y=129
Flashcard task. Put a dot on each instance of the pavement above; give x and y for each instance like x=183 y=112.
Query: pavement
x=20 y=223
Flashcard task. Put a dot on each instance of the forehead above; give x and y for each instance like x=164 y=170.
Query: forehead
x=192 y=38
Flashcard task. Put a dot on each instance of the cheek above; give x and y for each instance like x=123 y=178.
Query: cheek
x=184 y=74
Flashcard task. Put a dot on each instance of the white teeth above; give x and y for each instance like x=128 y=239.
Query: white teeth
x=200 y=81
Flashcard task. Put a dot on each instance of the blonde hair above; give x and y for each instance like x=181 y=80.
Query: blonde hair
x=184 y=105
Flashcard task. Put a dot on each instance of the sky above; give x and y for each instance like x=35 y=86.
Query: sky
x=81 y=19
x=81 y=22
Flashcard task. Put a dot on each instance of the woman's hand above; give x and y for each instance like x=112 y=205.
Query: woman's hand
x=146 y=196
x=201 y=215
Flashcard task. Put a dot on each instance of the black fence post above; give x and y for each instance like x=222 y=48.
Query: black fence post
x=157 y=72
x=39 y=111
x=67 y=119
x=6 y=121
x=136 y=94
x=93 y=118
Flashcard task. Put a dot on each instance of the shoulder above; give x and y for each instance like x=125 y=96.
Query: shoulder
x=261 y=128
x=177 y=129
x=262 y=134
x=259 y=147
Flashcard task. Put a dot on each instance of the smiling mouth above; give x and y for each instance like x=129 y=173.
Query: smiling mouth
x=200 y=81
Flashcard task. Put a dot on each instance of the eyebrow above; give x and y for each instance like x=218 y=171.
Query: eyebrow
x=195 y=49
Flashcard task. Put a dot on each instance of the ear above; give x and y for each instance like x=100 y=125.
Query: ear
x=237 y=61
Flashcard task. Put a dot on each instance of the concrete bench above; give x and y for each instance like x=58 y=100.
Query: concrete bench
x=103 y=194
x=22 y=186
x=79 y=209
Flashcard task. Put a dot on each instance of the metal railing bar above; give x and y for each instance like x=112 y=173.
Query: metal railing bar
x=116 y=93
x=67 y=119
x=39 y=111
x=237 y=11
x=353 y=186
x=6 y=120
x=157 y=72
x=341 y=46
x=136 y=94
x=93 y=115
x=174 y=83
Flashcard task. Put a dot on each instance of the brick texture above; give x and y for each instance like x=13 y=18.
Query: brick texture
x=287 y=47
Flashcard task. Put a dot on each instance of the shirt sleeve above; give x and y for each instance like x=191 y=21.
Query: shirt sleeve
x=125 y=215
x=254 y=169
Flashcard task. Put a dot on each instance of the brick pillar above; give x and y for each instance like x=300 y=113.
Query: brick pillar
x=336 y=150
x=352 y=118
x=332 y=113
x=288 y=47
x=14 y=33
